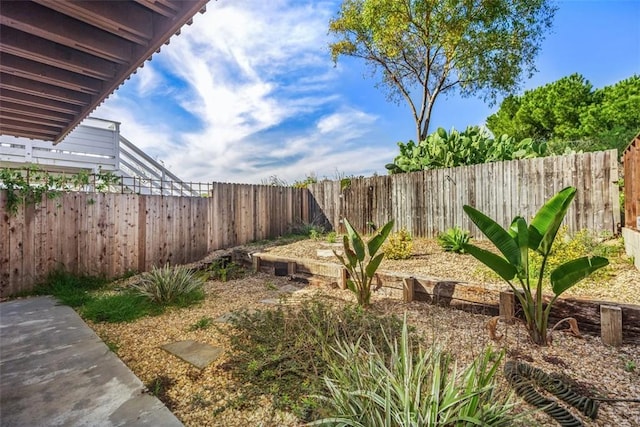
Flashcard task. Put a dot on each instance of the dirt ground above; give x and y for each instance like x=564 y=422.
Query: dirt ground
x=196 y=396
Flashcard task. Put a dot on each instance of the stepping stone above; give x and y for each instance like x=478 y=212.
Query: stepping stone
x=289 y=289
x=198 y=354
x=327 y=253
x=270 y=301
x=227 y=317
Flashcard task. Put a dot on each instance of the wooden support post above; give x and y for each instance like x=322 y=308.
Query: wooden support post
x=611 y=325
x=408 y=288
x=507 y=306
x=291 y=268
x=344 y=275
x=256 y=263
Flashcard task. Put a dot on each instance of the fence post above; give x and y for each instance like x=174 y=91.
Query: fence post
x=408 y=289
x=611 y=325
x=507 y=306
x=291 y=268
x=344 y=275
x=256 y=263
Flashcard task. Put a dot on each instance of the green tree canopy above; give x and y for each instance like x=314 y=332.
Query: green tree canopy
x=569 y=113
x=425 y=48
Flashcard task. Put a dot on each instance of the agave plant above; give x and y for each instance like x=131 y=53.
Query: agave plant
x=514 y=266
x=168 y=284
x=362 y=260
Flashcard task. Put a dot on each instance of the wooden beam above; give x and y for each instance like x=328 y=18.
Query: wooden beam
x=12 y=107
x=22 y=126
x=42 y=22
x=47 y=52
x=408 y=288
x=45 y=73
x=24 y=133
x=5 y=115
x=8 y=81
x=37 y=101
x=124 y=19
x=164 y=8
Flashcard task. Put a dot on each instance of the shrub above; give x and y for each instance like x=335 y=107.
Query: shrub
x=284 y=352
x=362 y=260
x=224 y=270
x=515 y=264
x=411 y=387
x=399 y=245
x=170 y=285
x=453 y=240
x=332 y=237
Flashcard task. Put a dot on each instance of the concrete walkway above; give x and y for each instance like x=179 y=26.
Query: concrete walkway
x=55 y=371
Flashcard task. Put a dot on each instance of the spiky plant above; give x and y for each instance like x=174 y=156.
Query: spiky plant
x=168 y=284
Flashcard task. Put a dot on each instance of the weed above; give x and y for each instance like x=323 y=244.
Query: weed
x=285 y=351
x=270 y=286
x=332 y=237
x=199 y=401
x=112 y=346
x=169 y=285
x=203 y=323
x=454 y=239
x=159 y=387
x=630 y=365
x=315 y=234
x=399 y=245
x=225 y=270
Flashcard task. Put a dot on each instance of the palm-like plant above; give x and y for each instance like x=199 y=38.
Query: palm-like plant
x=362 y=260
x=515 y=243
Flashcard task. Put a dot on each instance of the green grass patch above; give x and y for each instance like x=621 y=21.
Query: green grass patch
x=121 y=307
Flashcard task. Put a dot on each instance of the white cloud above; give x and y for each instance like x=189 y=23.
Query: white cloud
x=258 y=79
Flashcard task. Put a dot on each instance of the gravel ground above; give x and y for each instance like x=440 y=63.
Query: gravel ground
x=196 y=396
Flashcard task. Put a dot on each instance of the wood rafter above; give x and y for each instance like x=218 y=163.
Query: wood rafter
x=59 y=59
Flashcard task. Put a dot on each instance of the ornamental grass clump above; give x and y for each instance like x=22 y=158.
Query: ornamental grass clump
x=518 y=268
x=405 y=386
x=170 y=285
x=453 y=240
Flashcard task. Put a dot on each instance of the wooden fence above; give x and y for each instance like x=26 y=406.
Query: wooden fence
x=429 y=202
x=631 y=162
x=110 y=234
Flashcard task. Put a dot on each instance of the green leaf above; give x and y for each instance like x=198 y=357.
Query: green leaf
x=545 y=224
x=498 y=235
x=495 y=262
x=351 y=256
x=356 y=240
x=351 y=286
x=522 y=239
x=377 y=241
x=571 y=272
x=373 y=265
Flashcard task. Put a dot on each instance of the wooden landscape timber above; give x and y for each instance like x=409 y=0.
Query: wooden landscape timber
x=470 y=297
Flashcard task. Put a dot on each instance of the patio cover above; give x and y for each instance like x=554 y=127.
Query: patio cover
x=60 y=59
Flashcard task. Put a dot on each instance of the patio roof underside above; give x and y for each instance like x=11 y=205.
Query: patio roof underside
x=60 y=59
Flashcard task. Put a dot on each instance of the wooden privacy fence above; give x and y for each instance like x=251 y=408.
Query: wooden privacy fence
x=110 y=234
x=429 y=202
x=631 y=162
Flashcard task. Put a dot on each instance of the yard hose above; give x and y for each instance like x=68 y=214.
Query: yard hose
x=522 y=378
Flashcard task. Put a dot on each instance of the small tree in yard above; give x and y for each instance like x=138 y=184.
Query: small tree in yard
x=515 y=243
x=425 y=48
x=362 y=260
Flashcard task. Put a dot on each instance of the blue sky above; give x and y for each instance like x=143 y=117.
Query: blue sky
x=249 y=91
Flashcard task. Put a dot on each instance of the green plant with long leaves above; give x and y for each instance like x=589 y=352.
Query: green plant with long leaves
x=409 y=386
x=362 y=260
x=514 y=266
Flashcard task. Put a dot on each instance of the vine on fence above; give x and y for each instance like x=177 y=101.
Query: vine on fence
x=27 y=186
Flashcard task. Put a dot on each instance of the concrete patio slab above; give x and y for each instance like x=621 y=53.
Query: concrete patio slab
x=55 y=371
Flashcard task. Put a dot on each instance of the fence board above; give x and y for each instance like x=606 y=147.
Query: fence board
x=429 y=202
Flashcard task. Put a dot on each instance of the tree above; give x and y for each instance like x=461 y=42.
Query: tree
x=569 y=113
x=425 y=48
